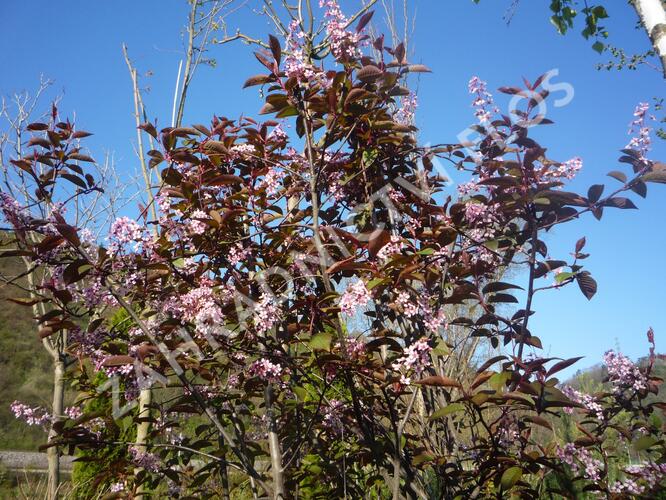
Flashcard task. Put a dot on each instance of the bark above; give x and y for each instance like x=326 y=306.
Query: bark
x=54 y=452
x=653 y=18
x=142 y=429
x=274 y=447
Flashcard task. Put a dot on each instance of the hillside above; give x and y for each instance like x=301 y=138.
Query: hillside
x=25 y=367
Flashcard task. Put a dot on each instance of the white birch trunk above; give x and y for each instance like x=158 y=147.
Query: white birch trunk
x=653 y=17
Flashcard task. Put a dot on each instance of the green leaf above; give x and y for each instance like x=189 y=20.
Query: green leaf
x=447 y=410
x=561 y=277
x=373 y=283
x=510 y=477
x=644 y=443
x=598 y=46
x=301 y=393
x=321 y=341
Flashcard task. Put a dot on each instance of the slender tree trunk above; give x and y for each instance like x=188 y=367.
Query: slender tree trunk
x=142 y=429
x=653 y=17
x=53 y=451
x=274 y=446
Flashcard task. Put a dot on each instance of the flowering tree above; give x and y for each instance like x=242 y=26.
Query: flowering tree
x=292 y=304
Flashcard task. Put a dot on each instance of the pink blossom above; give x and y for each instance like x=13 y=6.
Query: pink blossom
x=405 y=114
x=568 y=169
x=354 y=348
x=199 y=306
x=433 y=320
x=295 y=64
x=641 y=141
x=468 y=187
x=238 y=254
x=194 y=224
x=416 y=358
x=242 y=151
x=588 y=401
x=277 y=134
x=483 y=100
x=480 y=213
x=335 y=187
x=73 y=412
x=272 y=181
x=117 y=487
x=331 y=417
x=123 y=231
x=266 y=370
x=408 y=306
x=580 y=459
x=266 y=314
x=356 y=295
x=393 y=247
x=623 y=373
x=649 y=473
x=145 y=460
x=31 y=415
x=15 y=214
x=343 y=43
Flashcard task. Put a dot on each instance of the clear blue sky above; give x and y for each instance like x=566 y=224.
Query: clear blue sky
x=78 y=44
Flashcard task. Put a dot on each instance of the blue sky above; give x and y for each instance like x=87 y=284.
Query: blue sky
x=77 y=43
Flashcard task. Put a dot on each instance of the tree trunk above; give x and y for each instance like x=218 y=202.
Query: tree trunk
x=653 y=18
x=142 y=429
x=53 y=451
x=274 y=446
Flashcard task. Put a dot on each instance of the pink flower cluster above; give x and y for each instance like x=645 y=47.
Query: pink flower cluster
x=483 y=103
x=354 y=347
x=200 y=307
x=344 y=44
x=408 y=306
x=195 y=224
x=266 y=314
x=580 y=460
x=295 y=64
x=393 y=247
x=623 y=373
x=123 y=231
x=272 y=181
x=31 y=415
x=405 y=114
x=651 y=473
x=641 y=141
x=145 y=460
x=508 y=433
x=117 y=487
x=568 y=169
x=416 y=358
x=480 y=213
x=588 y=401
x=238 y=254
x=331 y=415
x=467 y=188
x=277 y=134
x=15 y=214
x=73 y=412
x=242 y=151
x=433 y=320
x=264 y=369
x=356 y=295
